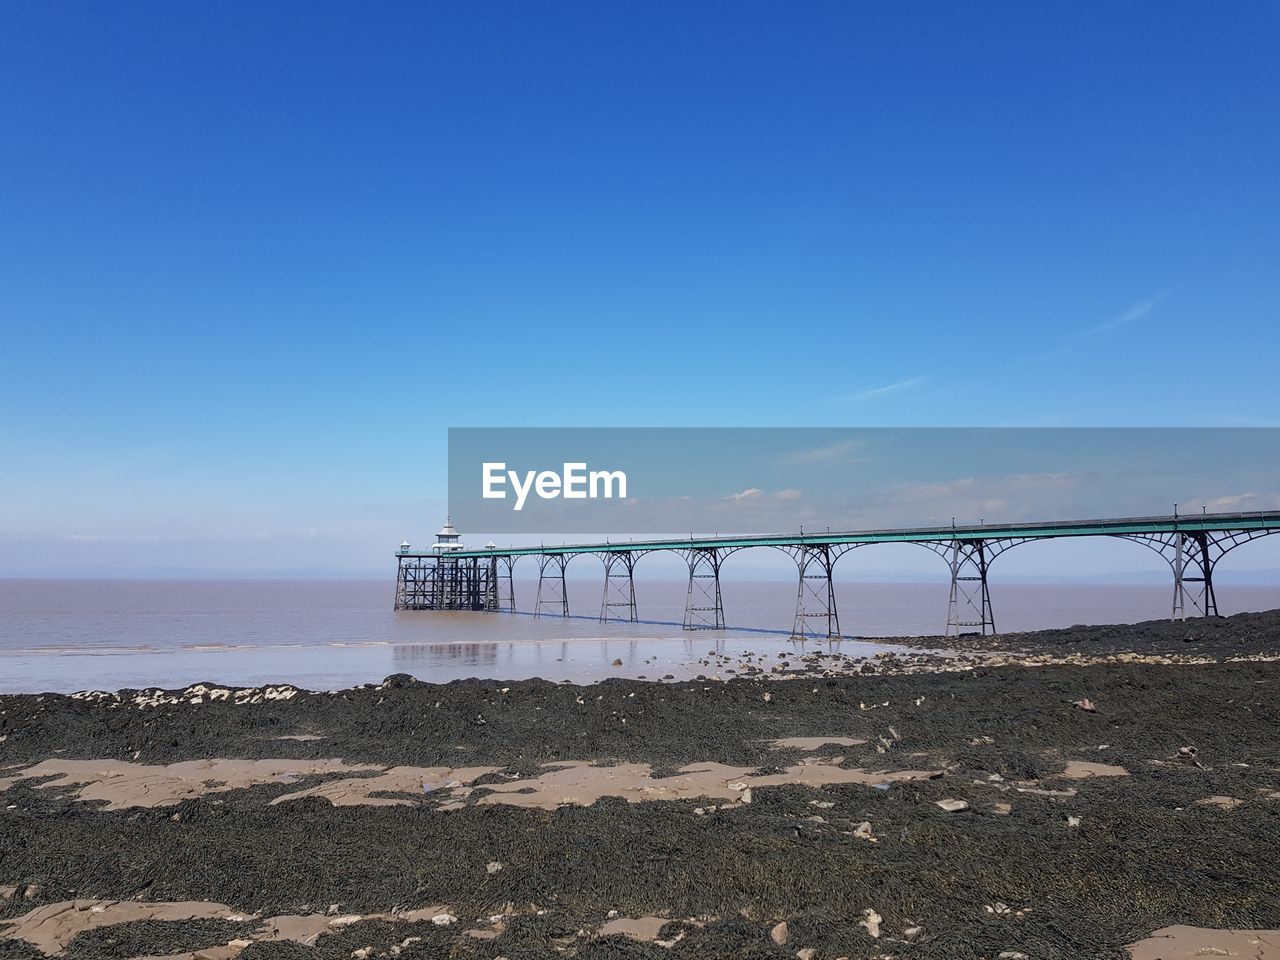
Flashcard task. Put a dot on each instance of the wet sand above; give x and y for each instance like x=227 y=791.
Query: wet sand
x=1056 y=799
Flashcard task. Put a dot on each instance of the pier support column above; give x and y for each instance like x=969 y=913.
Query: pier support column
x=506 y=584
x=970 y=603
x=411 y=584
x=1192 y=576
x=619 y=599
x=704 y=607
x=553 y=597
x=816 y=614
x=487 y=584
x=1192 y=555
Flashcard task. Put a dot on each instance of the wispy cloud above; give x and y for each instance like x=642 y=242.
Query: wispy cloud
x=748 y=494
x=887 y=389
x=839 y=452
x=1136 y=312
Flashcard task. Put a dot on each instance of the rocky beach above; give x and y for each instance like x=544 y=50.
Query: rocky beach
x=1100 y=792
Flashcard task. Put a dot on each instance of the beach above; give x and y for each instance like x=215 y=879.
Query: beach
x=1071 y=795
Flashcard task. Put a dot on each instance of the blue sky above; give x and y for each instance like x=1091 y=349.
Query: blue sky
x=257 y=258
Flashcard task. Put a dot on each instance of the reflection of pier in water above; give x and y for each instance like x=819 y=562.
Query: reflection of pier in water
x=593 y=658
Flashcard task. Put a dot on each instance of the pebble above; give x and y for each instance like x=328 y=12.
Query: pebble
x=871 y=921
x=444 y=919
x=952 y=806
x=779 y=933
x=493 y=867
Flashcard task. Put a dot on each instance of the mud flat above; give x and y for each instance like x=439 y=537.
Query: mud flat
x=1036 y=797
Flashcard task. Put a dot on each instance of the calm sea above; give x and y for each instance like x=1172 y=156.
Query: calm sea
x=63 y=635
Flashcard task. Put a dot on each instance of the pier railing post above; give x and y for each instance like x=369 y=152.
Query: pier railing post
x=704 y=606
x=619 y=599
x=553 y=596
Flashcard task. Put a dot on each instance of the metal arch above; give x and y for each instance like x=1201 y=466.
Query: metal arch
x=816 y=612
x=504 y=578
x=553 y=593
x=619 y=585
x=969 y=604
x=1200 y=551
x=704 y=604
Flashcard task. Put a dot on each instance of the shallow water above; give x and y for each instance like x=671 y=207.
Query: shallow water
x=62 y=635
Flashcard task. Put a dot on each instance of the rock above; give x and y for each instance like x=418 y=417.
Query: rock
x=1087 y=705
x=333 y=910
x=1013 y=955
x=871 y=922
x=493 y=867
x=1220 y=803
x=779 y=933
x=911 y=934
x=1073 y=821
x=952 y=806
x=863 y=831
x=807 y=953
x=618 y=662
x=444 y=919
x=1002 y=809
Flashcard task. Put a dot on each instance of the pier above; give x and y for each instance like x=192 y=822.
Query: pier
x=450 y=576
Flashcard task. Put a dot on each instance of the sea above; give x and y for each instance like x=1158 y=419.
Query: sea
x=69 y=635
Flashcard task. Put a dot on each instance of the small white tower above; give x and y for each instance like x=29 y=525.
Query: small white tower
x=448 y=539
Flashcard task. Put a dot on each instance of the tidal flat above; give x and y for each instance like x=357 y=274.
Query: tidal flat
x=1062 y=795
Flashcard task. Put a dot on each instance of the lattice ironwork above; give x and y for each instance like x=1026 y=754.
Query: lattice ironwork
x=506 y=583
x=816 y=611
x=1192 y=555
x=447 y=583
x=704 y=605
x=553 y=595
x=618 y=601
x=969 y=606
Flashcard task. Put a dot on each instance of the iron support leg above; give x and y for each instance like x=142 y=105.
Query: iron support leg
x=704 y=607
x=970 y=604
x=1192 y=576
x=619 y=599
x=816 y=614
x=552 y=594
x=506 y=584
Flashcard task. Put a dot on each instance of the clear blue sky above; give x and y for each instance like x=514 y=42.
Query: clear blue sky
x=256 y=258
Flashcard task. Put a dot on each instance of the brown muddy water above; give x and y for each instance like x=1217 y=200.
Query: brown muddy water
x=65 y=635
